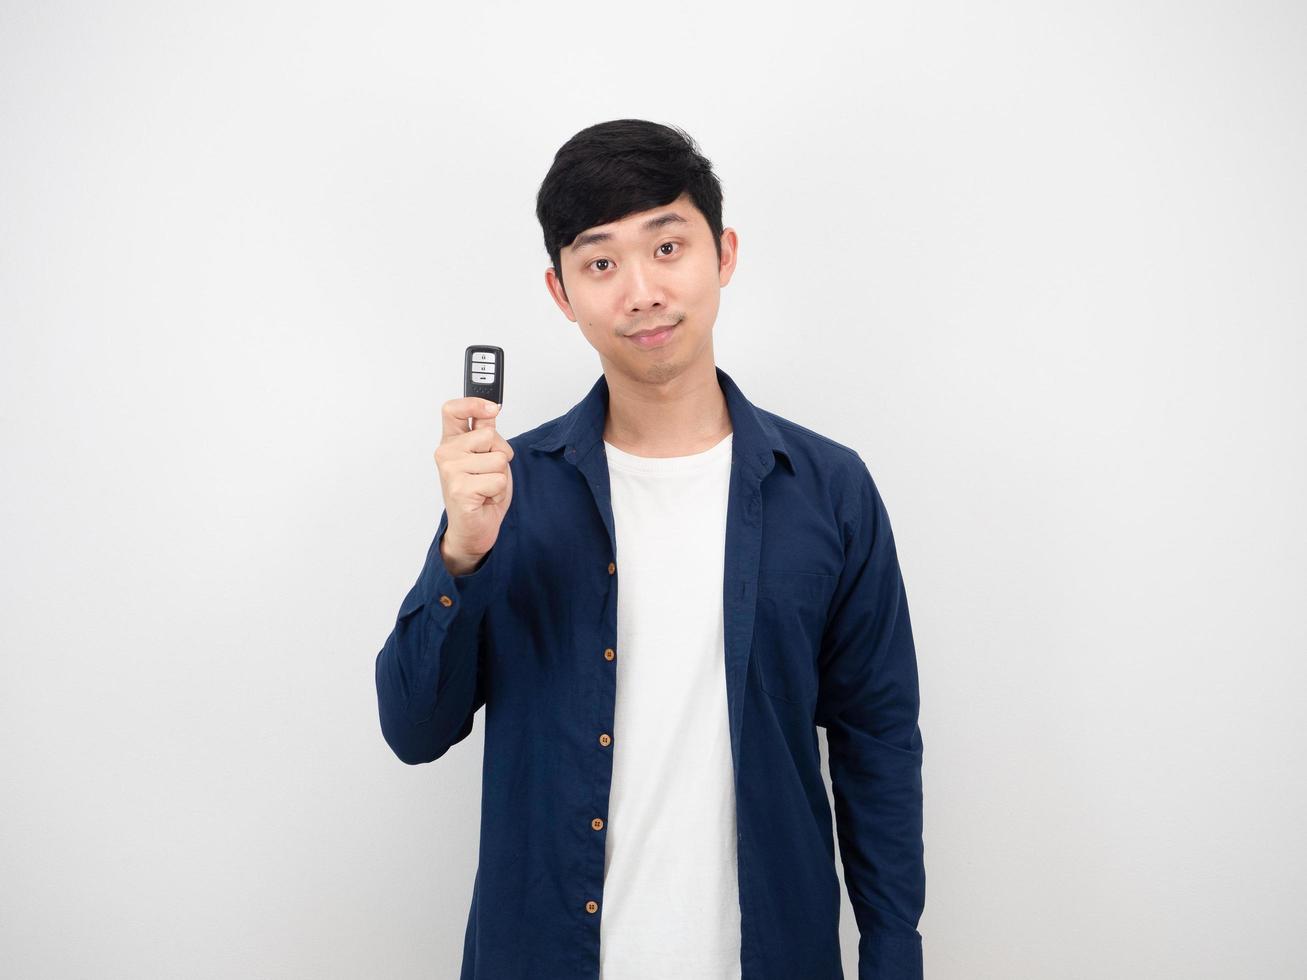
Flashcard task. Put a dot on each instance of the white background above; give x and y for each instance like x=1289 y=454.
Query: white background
x=1051 y=255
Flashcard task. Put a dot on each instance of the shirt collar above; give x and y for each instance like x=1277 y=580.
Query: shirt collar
x=755 y=437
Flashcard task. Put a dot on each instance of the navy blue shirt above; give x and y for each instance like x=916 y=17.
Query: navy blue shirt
x=816 y=634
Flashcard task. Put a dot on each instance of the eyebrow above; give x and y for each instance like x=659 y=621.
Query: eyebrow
x=650 y=224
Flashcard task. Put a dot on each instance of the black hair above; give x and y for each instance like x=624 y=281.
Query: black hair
x=619 y=167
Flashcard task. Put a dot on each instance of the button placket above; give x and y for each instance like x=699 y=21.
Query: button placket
x=597 y=823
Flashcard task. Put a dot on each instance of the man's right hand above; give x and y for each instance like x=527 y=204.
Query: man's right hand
x=476 y=481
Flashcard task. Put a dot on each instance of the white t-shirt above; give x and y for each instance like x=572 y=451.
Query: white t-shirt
x=671 y=898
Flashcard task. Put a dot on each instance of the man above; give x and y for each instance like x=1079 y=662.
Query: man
x=652 y=800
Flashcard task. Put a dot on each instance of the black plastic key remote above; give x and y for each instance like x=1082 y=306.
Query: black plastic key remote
x=483 y=372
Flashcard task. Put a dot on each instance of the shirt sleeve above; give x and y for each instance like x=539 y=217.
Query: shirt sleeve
x=868 y=702
x=428 y=673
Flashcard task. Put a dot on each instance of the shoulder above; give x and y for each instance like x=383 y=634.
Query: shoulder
x=812 y=445
x=541 y=433
x=819 y=454
x=841 y=469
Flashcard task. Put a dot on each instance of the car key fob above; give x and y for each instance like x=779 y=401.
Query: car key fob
x=483 y=372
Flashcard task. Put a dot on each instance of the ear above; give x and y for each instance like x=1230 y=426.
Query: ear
x=730 y=252
x=555 y=286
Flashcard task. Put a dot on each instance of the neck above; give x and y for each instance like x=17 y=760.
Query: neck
x=682 y=416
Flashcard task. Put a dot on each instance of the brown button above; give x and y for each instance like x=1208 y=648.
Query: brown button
x=592 y=907
x=609 y=654
x=611 y=568
x=446 y=600
x=604 y=739
x=597 y=823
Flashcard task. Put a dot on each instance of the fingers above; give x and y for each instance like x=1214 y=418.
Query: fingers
x=478 y=450
x=470 y=490
x=455 y=413
x=494 y=461
x=490 y=485
x=478 y=440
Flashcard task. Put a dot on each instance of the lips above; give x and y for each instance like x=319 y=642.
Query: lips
x=652 y=330
x=655 y=337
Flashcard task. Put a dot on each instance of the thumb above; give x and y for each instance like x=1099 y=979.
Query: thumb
x=485 y=414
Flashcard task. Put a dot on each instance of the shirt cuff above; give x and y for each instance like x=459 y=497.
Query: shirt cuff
x=447 y=595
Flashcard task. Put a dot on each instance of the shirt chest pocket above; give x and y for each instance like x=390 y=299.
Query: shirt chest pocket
x=787 y=627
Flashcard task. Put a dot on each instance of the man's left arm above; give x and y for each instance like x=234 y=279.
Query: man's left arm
x=868 y=702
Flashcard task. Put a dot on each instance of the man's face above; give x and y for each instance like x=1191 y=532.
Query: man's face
x=648 y=270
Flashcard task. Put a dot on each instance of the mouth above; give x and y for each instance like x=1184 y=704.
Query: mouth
x=654 y=337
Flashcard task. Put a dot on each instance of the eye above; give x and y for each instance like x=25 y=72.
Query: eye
x=594 y=263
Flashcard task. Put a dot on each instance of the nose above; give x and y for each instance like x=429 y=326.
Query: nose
x=643 y=291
